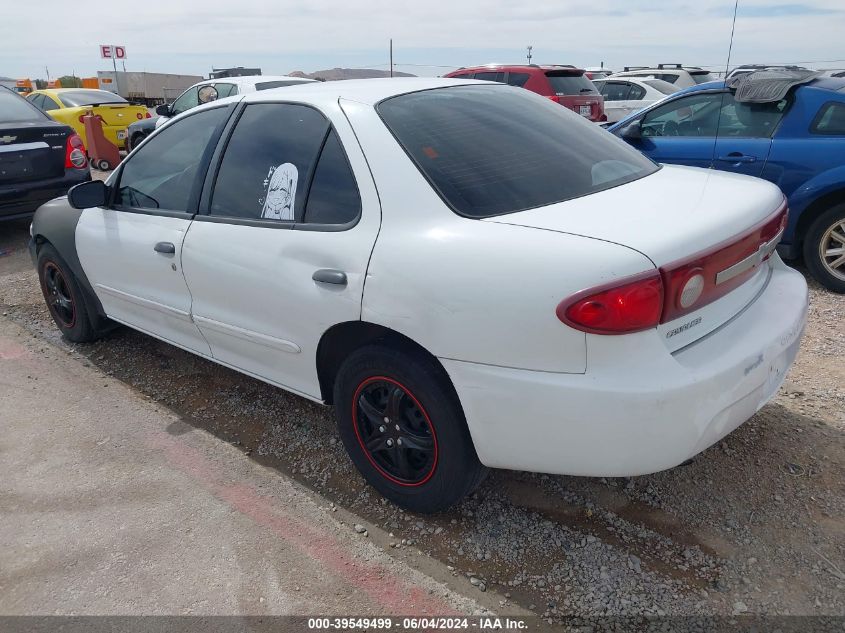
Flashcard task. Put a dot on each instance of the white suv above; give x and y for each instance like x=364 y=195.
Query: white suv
x=677 y=74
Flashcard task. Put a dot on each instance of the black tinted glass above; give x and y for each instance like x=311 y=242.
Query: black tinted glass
x=74 y=98
x=281 y=83
x=267 y=163
x=637 y=92
x=490 y=150
x=162 y=173
x=518 y=79
x=571 y=84
x=830 y=120
x=14 y=108
x=333 y=198
x=493 y=76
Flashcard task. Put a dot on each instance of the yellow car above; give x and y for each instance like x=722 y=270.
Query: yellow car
x=69 y=105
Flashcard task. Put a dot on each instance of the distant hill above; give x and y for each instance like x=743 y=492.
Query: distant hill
x=348 y=73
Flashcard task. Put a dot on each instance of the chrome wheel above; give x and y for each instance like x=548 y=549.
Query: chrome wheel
x=832 y=249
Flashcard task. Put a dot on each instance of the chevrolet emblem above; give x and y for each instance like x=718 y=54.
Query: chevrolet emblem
x=7 y=139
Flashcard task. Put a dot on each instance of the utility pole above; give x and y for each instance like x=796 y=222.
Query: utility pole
x=391 y=57
x=47 y=70
x=530 y=48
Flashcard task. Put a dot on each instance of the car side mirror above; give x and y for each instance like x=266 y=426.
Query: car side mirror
x=632 y=130
x=93 y=193
x=163 y=109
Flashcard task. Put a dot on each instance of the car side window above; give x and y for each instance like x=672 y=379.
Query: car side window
x=615 y=90
x=268 y=162
x=37 y=101
x=163 y=172
x=226 y=90
x=693 y=115
x=186 y=101
x=637 y=93
x=490 y=76
x=333 y=197
x=751 y=120
x=671 y=78
x=830 y=120
x=48 y=104
x=518 y=79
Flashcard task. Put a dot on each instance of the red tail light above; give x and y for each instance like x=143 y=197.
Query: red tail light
x=641 y=302
x=628 y=305
x=148 y=116
x=705 y=277
x=75 y=157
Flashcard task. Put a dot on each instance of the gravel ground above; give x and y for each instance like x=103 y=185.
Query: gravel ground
x=752 y=525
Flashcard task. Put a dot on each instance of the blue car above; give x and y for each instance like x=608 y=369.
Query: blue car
x=798 y=143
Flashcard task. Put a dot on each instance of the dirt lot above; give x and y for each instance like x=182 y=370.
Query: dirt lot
x=755 y=524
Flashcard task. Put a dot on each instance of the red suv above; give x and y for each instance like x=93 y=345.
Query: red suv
x=565 y=85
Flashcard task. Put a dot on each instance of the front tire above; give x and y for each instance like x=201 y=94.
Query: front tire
x=824 y=248
x=403 y=427
x=64 y=297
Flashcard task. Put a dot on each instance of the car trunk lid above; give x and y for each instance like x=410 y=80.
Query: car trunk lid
x=32 y=150
x=575 y=91
x=686 y=221
x=120 y=114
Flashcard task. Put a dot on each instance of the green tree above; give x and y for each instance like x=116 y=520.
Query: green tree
x=40 y=84
x=70 y=81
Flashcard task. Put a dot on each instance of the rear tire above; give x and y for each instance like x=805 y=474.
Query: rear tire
x=65 y=299
x=827 y=235
x=403 y=427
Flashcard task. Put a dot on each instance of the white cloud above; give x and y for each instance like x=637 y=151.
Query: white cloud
x=192 y=35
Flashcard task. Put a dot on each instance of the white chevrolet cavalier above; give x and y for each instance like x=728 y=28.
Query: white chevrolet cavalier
x=474 y=276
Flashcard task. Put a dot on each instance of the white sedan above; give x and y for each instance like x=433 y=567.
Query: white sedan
x=474 y=276
x=626 y=95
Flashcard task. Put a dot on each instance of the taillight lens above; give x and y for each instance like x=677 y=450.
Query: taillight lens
x=148 y=116
x=75 y=157
x=692 y=283
x=630 y=305
x=139 y=116
x=82 y=118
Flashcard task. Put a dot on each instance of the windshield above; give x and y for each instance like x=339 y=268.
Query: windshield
x=663 y=86
x=491 y=150
x=701 y=77
x=74 y=98
x=571 y=84
x=14 y=108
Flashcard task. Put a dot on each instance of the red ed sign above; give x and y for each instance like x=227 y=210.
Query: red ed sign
x=110 y=51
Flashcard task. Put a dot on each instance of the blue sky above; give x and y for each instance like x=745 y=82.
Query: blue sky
x=430 y=37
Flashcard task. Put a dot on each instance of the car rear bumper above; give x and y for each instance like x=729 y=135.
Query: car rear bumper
x=641 y=411
x=20 y=200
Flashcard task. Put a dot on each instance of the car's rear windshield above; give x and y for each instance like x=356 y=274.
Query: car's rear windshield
x=280 y=83
x=75 y=98
x=663 y=86
x=491 y=150
x=570 y=84
x=14 y=109
x=701 y=77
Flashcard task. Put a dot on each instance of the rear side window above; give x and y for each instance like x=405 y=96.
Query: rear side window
x=518 y=79
x=570 y=84
x=830 y=120
x=663 y=86
x=500 y=77
x=48 y=104
x=333 y=197
x=225 y=90
x=268 y=162
x=637 y=92
x=489 y=151
x=615 y=90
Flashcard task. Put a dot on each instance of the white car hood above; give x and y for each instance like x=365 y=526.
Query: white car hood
x=671 y=214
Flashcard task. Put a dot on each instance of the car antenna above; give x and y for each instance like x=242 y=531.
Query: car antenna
x=722 y=100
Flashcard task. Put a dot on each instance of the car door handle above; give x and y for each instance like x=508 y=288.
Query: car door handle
x=330 y=276
x=167 y=248
x=737 y=158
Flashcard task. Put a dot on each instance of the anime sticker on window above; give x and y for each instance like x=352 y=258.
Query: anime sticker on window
x=280 y=192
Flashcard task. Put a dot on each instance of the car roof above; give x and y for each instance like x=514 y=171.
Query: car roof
x=251 y=80
x=366 y=91
x=821 y=83
x=529 y=67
